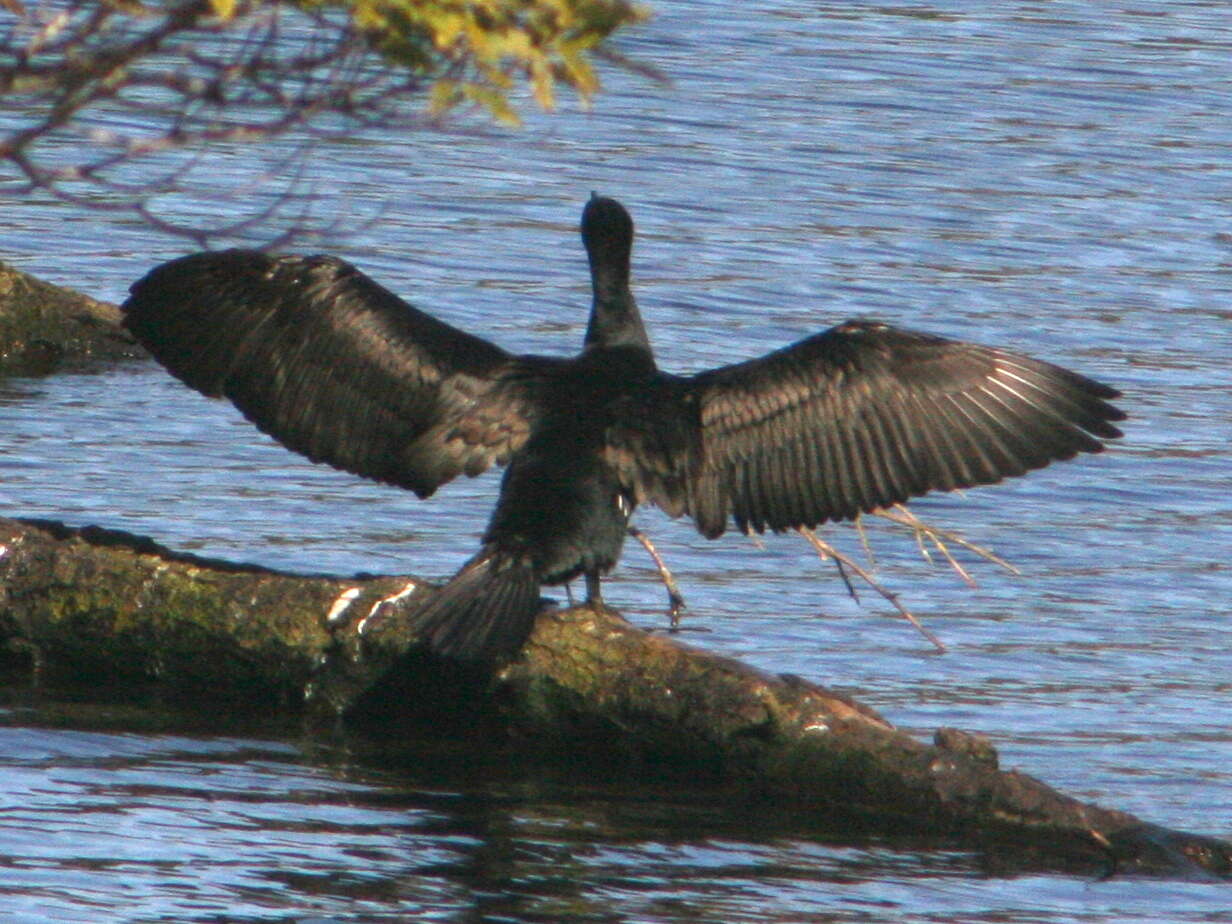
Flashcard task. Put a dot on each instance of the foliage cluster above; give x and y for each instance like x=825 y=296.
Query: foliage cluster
x=107 y=103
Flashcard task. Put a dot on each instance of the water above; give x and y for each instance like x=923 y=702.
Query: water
x=1049 y=177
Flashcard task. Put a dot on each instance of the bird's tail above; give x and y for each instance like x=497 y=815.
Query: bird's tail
x=484 y=613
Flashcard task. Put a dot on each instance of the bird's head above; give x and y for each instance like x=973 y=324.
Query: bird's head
x=607 y=228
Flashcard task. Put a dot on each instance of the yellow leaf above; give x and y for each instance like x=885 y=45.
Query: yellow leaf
x=483 y=49
x=445 y=95
x=223 y=9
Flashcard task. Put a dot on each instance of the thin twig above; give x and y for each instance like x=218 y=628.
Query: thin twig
x=858 y=522
x=851 y=588
x=825 y=550
x=904 y=517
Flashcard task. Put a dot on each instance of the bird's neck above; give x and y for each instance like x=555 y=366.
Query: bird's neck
x=616 y=323
x=614 y=318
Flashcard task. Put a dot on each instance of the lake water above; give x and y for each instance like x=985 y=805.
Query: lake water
x=1049 y=177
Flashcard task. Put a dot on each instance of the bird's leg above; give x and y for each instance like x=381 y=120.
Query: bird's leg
x=569 y=592
x=825 y=550
x=675 y=602
x=594 y=597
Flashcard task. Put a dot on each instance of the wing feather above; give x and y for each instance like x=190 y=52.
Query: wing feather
x=864 y=416
x=336 y=367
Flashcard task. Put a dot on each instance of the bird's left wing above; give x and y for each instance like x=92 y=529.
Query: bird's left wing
x=857 y=418
x=336 y=367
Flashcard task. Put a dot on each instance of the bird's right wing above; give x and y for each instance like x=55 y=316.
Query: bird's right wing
x=865 y=416
x=336 y=367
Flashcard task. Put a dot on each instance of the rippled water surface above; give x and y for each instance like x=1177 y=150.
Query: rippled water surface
x=1052 y=177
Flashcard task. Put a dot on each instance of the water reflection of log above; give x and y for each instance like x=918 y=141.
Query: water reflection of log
x=102 y=610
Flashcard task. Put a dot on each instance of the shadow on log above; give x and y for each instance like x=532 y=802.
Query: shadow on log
x=92 y=606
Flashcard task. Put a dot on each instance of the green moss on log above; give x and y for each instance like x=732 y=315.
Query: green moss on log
x=42 y=325
x=97 y=607
x=101 y=608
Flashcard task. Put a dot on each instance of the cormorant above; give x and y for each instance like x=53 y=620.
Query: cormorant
x=847 y=421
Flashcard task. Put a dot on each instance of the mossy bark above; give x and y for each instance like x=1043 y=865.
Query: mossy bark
x=102 y=609
x=91 y=607
x=42 y=325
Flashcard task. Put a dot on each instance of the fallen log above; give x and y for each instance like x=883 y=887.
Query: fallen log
x=97 y=607
x=43 y=325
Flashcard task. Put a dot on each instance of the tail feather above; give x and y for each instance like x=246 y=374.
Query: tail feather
x=485 y=612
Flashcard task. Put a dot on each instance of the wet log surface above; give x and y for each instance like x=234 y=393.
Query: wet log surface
x=103 y=610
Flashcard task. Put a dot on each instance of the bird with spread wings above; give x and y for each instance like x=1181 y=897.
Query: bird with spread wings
x=852 y=420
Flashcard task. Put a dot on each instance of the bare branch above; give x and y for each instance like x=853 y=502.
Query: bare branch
x=900 y=515
x=106 y=97
x=825 y=550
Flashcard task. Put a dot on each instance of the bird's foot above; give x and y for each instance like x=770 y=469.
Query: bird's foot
x=675 y=605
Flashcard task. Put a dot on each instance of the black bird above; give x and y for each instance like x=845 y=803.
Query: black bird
x=852 y=419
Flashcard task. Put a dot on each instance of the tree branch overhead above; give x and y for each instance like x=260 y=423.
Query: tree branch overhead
x=120 y=102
